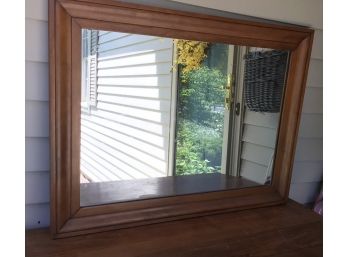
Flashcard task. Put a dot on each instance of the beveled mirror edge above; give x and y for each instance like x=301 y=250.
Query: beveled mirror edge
x=67 y=218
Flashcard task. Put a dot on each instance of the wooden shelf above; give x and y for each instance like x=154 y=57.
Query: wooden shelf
x=287 y=230
x=128 y=190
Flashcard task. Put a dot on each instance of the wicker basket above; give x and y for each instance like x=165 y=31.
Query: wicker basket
x=264 y=80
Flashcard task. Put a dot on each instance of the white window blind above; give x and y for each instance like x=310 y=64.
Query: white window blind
x=92 y=65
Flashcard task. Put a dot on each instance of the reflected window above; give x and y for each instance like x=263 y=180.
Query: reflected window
x=203 y=85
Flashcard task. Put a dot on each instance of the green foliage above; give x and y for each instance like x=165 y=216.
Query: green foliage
x=200 y=109
x=190 y=54
x=195 y=145
x=203 y=91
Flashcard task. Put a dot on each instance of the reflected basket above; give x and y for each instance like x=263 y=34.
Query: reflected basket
x=264 y=76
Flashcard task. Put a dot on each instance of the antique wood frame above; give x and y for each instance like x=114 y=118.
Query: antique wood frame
x=66 y=18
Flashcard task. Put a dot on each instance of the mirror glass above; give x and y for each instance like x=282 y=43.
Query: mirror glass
x=163 y=117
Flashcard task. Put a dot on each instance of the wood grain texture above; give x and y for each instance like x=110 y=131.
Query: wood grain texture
x=155 y=20
x=75 y=115
x=52 y=101
x=65 y=18
x=139 y=189
x=287 y=230
x=60 y=100
x=291 y=115
x=128 y=214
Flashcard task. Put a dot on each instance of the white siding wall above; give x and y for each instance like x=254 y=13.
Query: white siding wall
x=127 y=135
x=258 y=144
x=307 y=172
x=36 y=115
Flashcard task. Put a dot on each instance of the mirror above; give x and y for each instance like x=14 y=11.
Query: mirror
x=164 y=117
x=159 y=114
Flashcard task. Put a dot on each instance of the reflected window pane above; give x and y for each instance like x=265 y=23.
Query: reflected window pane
x=203 y=70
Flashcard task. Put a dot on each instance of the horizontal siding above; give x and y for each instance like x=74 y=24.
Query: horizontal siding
x=254 y=171
x=36 y=118
x=267 y=120
x=259 y=135
x=137 y=49
x=37 y=154
x=36 y=81
x=307 y=171
x=37 y=187
x=258 y=143
x=107 y=36
x=256 y=153
x=313 y=100
x=138 y=82
x=131 y=121
x=317 y=48
x=148 y=104
x=102 y=160
x=37 y=164
x=36 y=9
x=307 y=13
x=144 y=151
x=127 y=135
x=315 y=73
x=138 y=70
x=37 y=215
x=122 y=40
x=304 y=192
x=154 y=93
x=124 y=153
x=36 y=40
x=149 y=115
x=311 y=126
x=152 y=56
x=309 y=149
x=124 y=133
x=106 y=162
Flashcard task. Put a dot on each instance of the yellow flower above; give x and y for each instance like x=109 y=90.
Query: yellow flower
x=190 y=54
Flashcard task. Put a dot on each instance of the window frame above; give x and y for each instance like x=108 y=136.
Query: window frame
x=66 y=18
x=235 y=143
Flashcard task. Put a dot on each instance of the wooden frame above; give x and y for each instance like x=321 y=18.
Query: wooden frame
x=66 y=18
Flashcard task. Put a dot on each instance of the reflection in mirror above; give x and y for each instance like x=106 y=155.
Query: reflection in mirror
x=163 y=117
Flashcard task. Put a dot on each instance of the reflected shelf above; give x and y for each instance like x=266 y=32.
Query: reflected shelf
x=139 y=189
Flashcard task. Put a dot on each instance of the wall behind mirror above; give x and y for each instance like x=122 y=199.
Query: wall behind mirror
x=163 y=117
